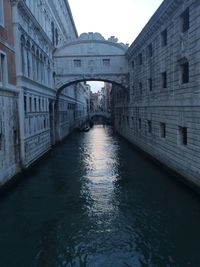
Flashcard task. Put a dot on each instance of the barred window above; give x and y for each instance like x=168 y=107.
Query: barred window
x=150 y=84
x=106 y=62
x=139 y=123
x=133 y=64
x=164 y=79
x=183 y=135
x=140 y=87
x=162 y=130
x=185 y=20
x=164 y=38
x=77 y=63
x=149 y=126
x=185 y=72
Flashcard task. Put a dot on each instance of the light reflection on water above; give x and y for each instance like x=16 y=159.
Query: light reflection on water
x=95 y=202
x=100 y=160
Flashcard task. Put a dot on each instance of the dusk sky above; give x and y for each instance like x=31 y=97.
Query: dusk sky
x=122 y=19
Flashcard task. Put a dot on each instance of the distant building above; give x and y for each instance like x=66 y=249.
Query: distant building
x=94 y=102
x=108 y=91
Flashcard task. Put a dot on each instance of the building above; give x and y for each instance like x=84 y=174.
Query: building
x=108 y=92
x=9 y=124
x=94 y=103
x=46 y=116
x=160 y=113
x=34 y=114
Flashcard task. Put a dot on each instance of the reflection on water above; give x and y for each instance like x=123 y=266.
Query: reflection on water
x=100 y=160
x=95 y=202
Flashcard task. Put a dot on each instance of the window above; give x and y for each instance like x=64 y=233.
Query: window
x=52 y=33
x=77 y=63
x=39 y=104
x=162 y=130
x=150 y=85
x=183 y=135
x=149 y=126
x=164 y=79
x=140 y=59
x=127 y=119
x=139 y=124
x=28 y=58
x=106 y=62
x=56 y=36
x=133 y=64
x=185 y=72
x=25 y=103
x=1 y=13
x=140 y=87
x=35 y=104
x=30 y=104
x=1 y=141
x=2 y=69
x=185 y=20
x=150 y=50
x=133 y=89
x=164 y=38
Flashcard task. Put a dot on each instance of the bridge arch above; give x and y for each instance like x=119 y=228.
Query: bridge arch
x=91 y=58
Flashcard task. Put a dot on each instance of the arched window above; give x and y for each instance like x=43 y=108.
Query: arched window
x=52 y=33
x=41 y=68
x=56 y=36
x=37 y=65
x=33 y=62
x=23 y=63
x=45 y=70
x=28 y=58
x=49 y=73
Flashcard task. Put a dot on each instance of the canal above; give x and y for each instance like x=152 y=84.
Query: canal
x=96 y=202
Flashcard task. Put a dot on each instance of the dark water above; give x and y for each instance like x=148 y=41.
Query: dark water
x=96 y=202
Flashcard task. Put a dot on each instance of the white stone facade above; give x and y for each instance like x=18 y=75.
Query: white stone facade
x=91 y=57
x=9 y=135
x=39 y=28
x=161 y=113
x=9 y=121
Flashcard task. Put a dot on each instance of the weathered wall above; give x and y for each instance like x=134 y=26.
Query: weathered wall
x=9 y=136
x=9 y=121
x=161 y=114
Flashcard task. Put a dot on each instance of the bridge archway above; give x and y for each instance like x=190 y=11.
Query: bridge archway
x=91 y=58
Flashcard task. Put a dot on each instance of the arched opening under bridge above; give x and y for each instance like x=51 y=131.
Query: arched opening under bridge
x=88 y=58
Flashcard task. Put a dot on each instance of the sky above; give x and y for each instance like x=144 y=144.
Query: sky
x=122 y=19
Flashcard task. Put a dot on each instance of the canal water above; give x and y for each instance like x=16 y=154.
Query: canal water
x=96 y=202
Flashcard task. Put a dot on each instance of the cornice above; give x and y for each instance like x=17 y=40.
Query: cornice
x=30 y=18
x=71 y=16
x=21 y=29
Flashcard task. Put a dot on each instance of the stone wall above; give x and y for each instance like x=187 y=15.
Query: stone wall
x=161 y=114
x=9 y=136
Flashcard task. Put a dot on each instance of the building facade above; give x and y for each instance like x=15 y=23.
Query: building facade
x=33 y=114
x=9 y=123
x=160 y=113
x=40 y=27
